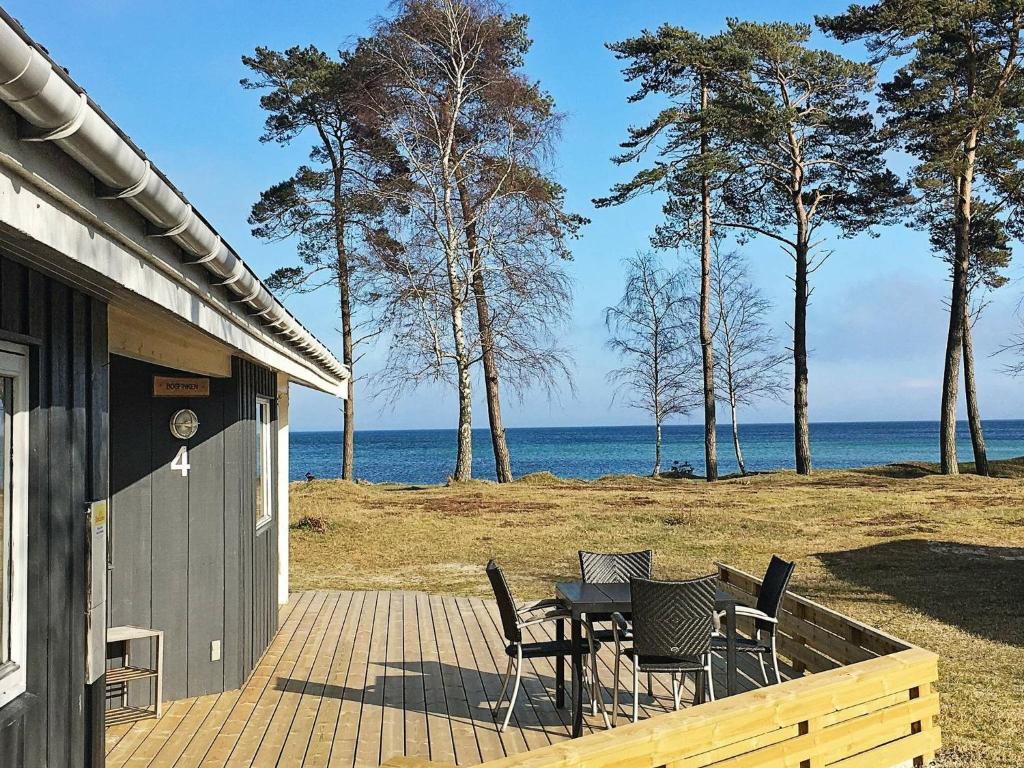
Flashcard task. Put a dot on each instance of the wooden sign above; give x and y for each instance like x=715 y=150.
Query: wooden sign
x=171 y=386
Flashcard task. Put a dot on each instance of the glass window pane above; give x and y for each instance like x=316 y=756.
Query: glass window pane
x=6 y=413
x=262 y=482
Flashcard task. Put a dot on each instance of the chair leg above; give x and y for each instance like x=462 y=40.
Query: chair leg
x=515 y=688
x=650 y=685
x=636 y=691
x=710 y=679
x=699 y=688
x=504 y=687
x=764 y=669
x=675 y=691
x=597 y=695
x=775 y=661
x=615 y=689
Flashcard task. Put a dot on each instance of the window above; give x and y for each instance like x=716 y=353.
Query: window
x=264 y=480
x=13 y=518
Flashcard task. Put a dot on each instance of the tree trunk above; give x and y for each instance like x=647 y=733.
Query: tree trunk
x=464 y=450
x=973 y=412
x=801 y=426
x=955 y=334
x=464 y=453
x=736 y=436
x=657 y=449
x=348 y=444
x=502 y=459
x=706 y=343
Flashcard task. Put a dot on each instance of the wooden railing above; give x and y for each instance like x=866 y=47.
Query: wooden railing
x=865 y=700
x=812 y=637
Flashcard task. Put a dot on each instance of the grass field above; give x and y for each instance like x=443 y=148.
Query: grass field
x=938 y=561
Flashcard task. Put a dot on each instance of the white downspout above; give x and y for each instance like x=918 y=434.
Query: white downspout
x=282 y=488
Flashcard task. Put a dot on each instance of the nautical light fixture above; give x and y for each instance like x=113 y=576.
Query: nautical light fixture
x=184 y=424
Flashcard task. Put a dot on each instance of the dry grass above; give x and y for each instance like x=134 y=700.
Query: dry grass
x=938 y=561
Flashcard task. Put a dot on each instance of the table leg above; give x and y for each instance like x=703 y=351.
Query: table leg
x=577 y=678
x=560 y=667
x=730 y=648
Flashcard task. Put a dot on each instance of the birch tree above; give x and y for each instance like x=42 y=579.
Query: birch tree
x=651 y=330
x=955 y=102
x=750 y=360
x=472 y=130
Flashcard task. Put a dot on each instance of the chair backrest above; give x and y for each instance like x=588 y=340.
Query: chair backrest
x=506 y=603
x=614 y=567
x=773 y=589
x=673 y=618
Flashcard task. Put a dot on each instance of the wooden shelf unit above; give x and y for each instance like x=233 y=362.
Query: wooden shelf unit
x=119 y=678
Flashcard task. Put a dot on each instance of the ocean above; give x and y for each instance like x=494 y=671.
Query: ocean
x=428 y=455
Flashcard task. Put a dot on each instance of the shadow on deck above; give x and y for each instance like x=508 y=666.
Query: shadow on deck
x=355 y=678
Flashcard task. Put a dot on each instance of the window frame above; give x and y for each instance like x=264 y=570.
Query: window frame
x=265 y=446
x=13 y=673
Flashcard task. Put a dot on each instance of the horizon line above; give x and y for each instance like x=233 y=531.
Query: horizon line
x=664 y=426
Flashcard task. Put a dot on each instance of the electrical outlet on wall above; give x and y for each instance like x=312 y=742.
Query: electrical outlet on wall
x=215 y=650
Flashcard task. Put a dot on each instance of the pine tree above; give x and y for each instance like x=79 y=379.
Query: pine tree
x=809 y=162
x=955 y=102
x=337 y=206
x=690 y=160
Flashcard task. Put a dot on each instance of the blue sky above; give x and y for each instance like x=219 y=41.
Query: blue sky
x=168 y=74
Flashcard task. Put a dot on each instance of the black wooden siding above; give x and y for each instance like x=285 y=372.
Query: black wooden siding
x=66 y=332
x=186 y=556
x=258 y=547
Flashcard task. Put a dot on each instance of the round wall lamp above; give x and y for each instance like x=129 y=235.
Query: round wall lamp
x=184 y=424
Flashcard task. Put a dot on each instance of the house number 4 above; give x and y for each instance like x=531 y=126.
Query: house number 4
x=180 y=462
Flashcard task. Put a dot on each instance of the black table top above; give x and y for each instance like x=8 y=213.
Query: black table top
x=583 y=597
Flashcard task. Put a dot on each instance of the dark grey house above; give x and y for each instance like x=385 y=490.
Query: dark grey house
x=142 y=364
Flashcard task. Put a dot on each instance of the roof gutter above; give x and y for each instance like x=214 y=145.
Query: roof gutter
x=60 y=112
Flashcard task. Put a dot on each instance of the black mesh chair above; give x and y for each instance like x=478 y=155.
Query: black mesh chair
x=515 y=618
x=609 y=568
x=671 y=632
x=765 y=616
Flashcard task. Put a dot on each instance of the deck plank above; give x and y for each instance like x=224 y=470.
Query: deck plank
x=272 y=714
x=165 y=728
x=280 y=656
x=336 y=688
x=307 y=701
x=207 y=731
x=487 y=736
x=417 y=741
x=439 y=726
x=345 y=737
x=467 y=751
x=353 y=678
x=392 y=736
x=371 y=716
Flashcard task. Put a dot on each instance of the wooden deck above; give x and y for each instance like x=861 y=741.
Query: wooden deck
x=355 y=678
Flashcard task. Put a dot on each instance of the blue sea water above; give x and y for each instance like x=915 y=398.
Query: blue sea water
x=428 y=456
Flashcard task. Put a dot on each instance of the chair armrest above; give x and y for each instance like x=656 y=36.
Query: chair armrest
x=619 y=622
x=750 y=613
x=561 y=613
x=537 y=605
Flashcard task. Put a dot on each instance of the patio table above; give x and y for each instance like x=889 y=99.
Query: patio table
x=581 y=598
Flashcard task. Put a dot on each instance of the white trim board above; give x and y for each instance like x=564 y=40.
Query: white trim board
x=79 y=236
